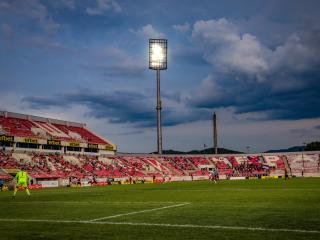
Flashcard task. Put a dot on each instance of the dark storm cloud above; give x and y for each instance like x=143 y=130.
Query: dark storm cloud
x=175 y=117
x=44 y=102
x=283 y=83
x=119 y=107
x=253 y=97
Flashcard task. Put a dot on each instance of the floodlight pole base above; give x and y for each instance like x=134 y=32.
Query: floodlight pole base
x=159 y=128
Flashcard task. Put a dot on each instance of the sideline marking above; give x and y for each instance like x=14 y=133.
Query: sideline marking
x=219 y=189
x=137 y=212
x=89 y=202
x=166 y=225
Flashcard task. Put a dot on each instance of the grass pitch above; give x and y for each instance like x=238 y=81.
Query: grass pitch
x=250 y=209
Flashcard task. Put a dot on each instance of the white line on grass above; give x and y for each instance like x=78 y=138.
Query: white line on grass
x=167 y=225
x=137 y=212
x=215 y=188
x=90 y=202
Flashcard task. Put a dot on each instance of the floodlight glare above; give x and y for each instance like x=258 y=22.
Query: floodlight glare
x=158 y=54
x=158 y=61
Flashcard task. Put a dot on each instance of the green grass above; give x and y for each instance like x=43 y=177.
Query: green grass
x=268 y=204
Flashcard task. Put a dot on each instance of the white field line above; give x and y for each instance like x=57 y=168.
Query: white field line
x=167 y=225
x=137 y=212
x=214 y=189
x=219 y=190
x=90 y=202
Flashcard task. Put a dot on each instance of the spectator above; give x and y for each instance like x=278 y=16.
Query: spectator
x=79 y=182
x=1 y=184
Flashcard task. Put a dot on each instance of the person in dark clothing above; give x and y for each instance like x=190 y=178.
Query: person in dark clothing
x=286 y=176
x=1 y=184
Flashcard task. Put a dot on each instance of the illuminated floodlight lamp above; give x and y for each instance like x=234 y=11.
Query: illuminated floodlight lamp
x=158 y=61
x=158 y=54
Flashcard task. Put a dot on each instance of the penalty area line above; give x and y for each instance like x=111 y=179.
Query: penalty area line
x=137 y=212
x=166 y=225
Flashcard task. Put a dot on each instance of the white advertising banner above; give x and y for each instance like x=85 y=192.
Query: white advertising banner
x=85 y=183
x=201 y=177
x=237 y=178
x=48 y=184
x=63 y=182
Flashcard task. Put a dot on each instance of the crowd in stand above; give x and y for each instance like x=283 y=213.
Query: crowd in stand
x=41 y=165
x=249 y=170
x=179 y=163
x=77 y=166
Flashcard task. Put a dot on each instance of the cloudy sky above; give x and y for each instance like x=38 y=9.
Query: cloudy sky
x=255 y=63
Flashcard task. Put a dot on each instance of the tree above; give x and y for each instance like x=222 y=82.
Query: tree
x=313 y=146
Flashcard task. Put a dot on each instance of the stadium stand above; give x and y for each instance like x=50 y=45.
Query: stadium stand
x=26 y=131
x=311 y=164
x=16 y=127
x=223 y=165
x=303 y=164
x=54 y=149
x=48 y=165
x=4 y=175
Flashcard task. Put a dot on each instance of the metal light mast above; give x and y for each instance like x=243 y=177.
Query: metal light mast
x=158 y=61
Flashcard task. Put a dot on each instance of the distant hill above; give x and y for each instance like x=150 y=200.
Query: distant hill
x=291 y=149
x=228 y=151
x=204 y=151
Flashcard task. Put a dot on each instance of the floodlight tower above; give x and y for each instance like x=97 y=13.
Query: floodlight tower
x=215 y=134
x=158 y=61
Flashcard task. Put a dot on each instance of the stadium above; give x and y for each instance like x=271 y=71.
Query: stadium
x=169 y=119
x=81 y=186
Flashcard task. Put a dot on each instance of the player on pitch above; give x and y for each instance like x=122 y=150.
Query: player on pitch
x=214 y=175
x=21 y=178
